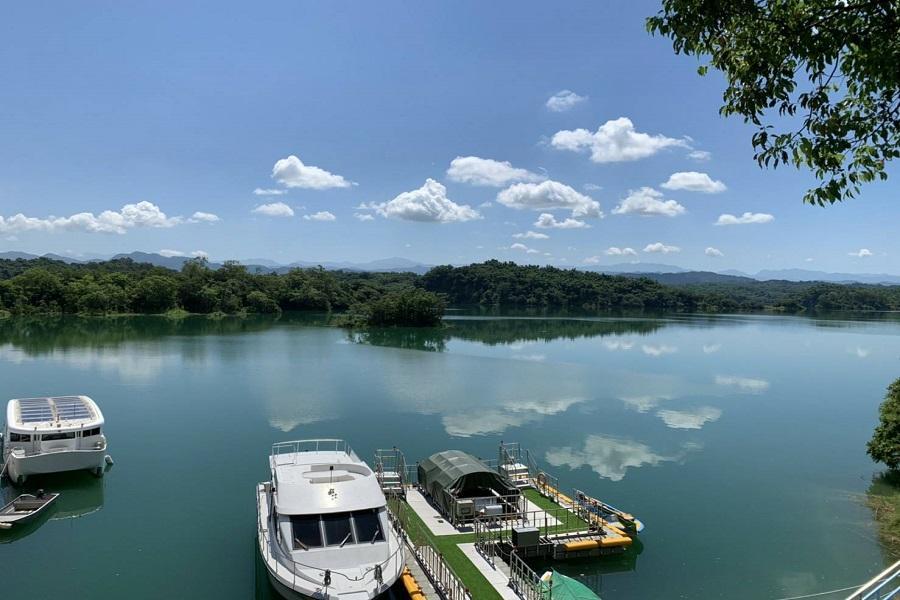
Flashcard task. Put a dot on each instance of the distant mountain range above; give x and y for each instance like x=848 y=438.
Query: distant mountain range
x=663 y=273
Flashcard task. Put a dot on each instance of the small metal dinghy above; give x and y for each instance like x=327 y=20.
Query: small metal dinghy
x=25 y=508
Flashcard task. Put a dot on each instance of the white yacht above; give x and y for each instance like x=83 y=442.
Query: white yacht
x=323 y=525
x=49 y=435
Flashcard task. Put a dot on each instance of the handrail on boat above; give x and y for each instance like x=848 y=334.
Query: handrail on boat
x=313 y=445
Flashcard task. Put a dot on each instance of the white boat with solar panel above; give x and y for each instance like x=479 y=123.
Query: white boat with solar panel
x=323 y=525
x=53 y=434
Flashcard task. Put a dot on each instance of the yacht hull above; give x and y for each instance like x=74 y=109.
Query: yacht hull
x=20 y=467
x=282 y=577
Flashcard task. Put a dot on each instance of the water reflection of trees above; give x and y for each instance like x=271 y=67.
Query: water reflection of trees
x=498 y=331
x=38 y=335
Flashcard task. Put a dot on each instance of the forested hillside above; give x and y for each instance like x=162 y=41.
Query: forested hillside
x=123 y=286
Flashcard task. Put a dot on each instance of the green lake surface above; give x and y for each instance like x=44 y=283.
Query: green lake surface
x=738 y=440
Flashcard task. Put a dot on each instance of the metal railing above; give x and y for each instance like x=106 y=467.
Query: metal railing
x=525 y=581
x=391 y=471
x=513 y=506
x=445 y=581
x=321 y=445
x=883 y=586
x=550 y=522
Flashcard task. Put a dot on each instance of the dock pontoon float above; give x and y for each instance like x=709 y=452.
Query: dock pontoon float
x=323 y=527
x=53 y=434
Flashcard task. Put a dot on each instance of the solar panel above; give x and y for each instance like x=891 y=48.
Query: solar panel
x=35 y=410
x=71 y=407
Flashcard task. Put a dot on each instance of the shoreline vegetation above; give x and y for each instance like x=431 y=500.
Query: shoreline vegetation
x=363 y=299
x=883 y=495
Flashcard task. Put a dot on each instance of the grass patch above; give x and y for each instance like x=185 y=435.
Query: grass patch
x=574 y=523
x=883 y=498
x=448 y=546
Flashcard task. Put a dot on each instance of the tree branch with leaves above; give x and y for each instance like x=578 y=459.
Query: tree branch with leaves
x=829 y=69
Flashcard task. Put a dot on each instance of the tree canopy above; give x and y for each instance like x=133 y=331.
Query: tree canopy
x=829 y=68
x=884 y=447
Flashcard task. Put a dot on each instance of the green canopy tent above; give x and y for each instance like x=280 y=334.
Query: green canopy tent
x=562 y=587
x=453 y=474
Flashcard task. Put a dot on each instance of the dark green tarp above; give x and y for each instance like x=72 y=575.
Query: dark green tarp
x=566 y=588
x=453 y=473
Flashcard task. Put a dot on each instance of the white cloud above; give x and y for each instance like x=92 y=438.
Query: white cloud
x=509 y=414
x=322 y=215
x=428 y=203
x=748 y=218
x=692 y=181
x=689 y=419
x=268 y=192
x=274 y=209
x=204 y=217
x=523 y=248
x=614 y=141
x=715 y=252
x=592 y=260
x=592 y=187
x=660 y=350
x=746 y=384
x=548 y=221
x=861 y=253
x=648 y=202
x=291 y=172
x=699 y=155
x=363 y=217
x=195 y=254
x=549 y=195
x=660 y=248
x=616 y=251
x=484 y=171
x=130 y=216
x=608 y=456
x=711 y=348
x=531 y=235
x=564 y=100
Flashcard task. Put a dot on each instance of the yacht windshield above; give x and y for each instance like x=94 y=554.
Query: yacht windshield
x=306 y=533
x=368 y=526
x=337 y=529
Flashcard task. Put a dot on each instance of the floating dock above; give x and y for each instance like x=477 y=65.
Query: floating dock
x=537 y=522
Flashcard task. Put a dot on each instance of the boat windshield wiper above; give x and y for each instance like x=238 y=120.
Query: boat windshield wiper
x=300 y=542
x=375 y=535
x=345 y=540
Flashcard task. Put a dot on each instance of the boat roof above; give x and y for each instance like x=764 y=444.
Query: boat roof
x=53 y=413
x=323 y=482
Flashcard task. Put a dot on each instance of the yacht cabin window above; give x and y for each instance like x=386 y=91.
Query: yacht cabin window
x=69 y=435
x=368 y=526
x=19 y=437
x=338 y=530
x=90 y=432
x=306 y=533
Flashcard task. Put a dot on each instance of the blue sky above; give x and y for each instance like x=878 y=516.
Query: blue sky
x=169 y=116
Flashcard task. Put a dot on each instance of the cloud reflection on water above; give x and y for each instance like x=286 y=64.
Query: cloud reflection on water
x=611 y=457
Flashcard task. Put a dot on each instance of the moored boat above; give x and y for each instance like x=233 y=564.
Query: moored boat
x=25 y=508
x=323 y=526
x=51 y=435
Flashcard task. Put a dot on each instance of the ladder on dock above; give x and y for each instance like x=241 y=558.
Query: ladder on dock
x=390 y=470
x=516 y=464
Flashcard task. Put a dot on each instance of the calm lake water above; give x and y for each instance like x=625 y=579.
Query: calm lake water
x=739 y=441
